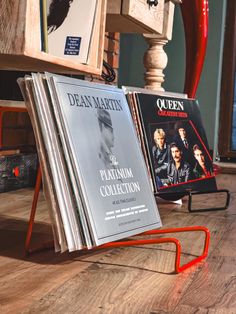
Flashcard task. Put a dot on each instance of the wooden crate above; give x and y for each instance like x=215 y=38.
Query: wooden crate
x=134 y=16
x=20 y=45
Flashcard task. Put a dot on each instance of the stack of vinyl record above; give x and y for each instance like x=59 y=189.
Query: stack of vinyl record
x=94 y=175
x=173 y=141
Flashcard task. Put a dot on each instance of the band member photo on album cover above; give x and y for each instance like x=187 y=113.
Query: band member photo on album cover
x=178 y=154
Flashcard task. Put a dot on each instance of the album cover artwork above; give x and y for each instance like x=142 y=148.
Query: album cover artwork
x=176 y=143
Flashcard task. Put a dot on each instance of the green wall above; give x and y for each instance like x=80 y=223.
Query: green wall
x=132 y=70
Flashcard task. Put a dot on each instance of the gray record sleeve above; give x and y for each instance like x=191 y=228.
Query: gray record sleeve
x=107 y=158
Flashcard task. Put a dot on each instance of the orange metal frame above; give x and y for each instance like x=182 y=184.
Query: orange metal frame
x=178 y=267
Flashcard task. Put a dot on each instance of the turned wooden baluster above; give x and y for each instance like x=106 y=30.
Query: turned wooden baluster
x=155 y=59
x=195 y=19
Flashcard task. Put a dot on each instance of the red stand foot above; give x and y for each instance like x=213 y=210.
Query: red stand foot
x=178 y=268
x=155 y=240
x=33 y=210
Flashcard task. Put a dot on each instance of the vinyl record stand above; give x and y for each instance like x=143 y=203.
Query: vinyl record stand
x=190 y=194
x=131 y=242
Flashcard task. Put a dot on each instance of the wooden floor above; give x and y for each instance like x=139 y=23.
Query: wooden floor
x=121 y=280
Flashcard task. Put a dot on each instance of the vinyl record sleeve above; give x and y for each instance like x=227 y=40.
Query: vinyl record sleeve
x=57 y=164
x=70 y=27
x=60 y=242
x=107 y=159
x=75 y=186
x=167 y=115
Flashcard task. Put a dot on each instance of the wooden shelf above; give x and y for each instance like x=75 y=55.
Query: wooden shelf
x=20 y=47
x=12 y=104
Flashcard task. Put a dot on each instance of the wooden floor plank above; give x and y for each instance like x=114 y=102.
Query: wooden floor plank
x=111 y=289
x=122 y=280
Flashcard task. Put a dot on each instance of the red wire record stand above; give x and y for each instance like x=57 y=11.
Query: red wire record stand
x=154 y=240
x=195 y=18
